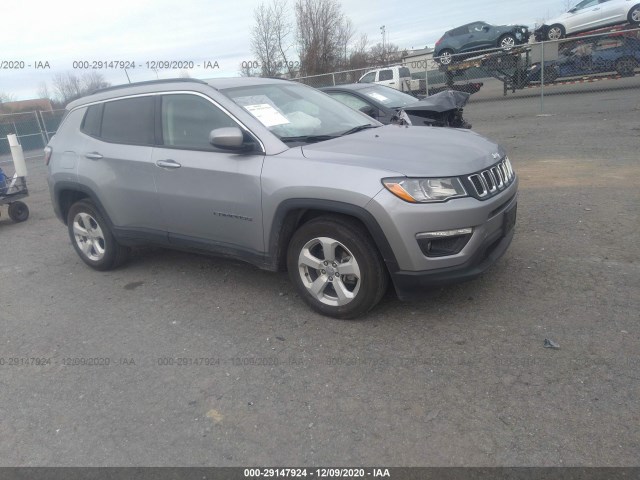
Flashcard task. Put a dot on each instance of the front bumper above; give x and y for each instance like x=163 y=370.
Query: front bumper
x=540 y=33
x=402 y=223
x=411 y=285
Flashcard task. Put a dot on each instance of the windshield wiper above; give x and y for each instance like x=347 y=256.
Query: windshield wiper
x=358 y=128
x=308 y=138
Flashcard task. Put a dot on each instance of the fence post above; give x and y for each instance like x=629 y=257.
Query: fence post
x=333 y=78
x=542 y=77
x=426 y=77
x=43 y=127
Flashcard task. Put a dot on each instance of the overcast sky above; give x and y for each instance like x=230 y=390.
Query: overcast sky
x=63 y=31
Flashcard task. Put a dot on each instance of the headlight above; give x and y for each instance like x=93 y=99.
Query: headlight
x=425 y=190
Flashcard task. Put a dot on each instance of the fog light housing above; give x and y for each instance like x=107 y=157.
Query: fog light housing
x=443 y=243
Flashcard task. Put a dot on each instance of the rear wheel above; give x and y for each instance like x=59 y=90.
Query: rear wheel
x=507 y=42
x=555 y=32
x=92 y=238
x=626 y=66
x=18 y=211
x=336 y=267
x=634 y=15
x=446 y=56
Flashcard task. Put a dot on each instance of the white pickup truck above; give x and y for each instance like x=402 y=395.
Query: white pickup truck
x=395 y=77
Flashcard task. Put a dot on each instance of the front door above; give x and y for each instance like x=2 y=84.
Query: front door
x=210 y=198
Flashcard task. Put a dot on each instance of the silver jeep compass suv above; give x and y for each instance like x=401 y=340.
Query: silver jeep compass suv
x=282 y=176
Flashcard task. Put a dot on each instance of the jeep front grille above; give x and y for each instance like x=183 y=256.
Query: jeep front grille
x=493 y=180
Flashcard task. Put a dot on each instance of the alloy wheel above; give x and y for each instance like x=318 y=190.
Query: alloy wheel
x=329 y=271
x=89 y=236
x=555 y=33
x=508 y=43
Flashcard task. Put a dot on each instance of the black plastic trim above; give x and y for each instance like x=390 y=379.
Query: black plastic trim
x=330 y=206
x=411 y=285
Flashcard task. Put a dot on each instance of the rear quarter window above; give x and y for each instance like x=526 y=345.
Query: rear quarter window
x=92 y=121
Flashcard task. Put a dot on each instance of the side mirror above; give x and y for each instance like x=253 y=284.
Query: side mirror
x=573 y=10
x=370 y=110
x=486 y=28
x=227 y=138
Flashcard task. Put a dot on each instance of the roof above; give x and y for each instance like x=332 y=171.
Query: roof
x=169 y=84
x=351 y=86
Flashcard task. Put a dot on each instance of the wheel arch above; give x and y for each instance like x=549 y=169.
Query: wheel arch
x=293 y=213
x=68 y=193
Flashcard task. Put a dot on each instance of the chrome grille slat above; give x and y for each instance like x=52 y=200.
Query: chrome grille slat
x=492 y=180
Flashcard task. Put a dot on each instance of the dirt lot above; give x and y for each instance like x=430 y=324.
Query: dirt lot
x=460 y=378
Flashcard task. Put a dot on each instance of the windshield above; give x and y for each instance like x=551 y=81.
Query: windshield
x=389 y=97
x=291 y=110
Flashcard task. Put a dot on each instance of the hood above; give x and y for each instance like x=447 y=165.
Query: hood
x=441 y=102
x=410 y=151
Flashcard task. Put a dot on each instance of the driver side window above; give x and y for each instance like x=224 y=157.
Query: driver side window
x=586 y=4
x=349 y=100
x=187 y=121
x=368 y=78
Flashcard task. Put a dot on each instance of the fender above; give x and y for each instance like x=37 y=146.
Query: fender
x=330 y=206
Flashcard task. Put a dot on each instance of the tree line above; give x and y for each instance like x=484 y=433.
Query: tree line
x=315 y=32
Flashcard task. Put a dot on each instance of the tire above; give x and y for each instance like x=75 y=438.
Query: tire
x=92 y=238
x=507 y=42
x=446 y=57
x=626 y=66
x=634 y=15
x=330 y=245
x=550 y=75
x=555 y=32
x=18 y=211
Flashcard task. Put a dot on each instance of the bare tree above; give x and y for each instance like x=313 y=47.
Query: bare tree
x=283 y=31
x=69 y=86
x=359 y=58
x=270 y=37
x=345 y=34
x=43 y=91
x=93 y=81
x=247 y=70
x=319 y=25
x=384 y=54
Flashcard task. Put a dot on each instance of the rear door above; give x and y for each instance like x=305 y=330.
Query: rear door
x=116 y=161
x=210 y=198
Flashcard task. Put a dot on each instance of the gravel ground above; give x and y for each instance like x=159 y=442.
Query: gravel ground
x=460 y=378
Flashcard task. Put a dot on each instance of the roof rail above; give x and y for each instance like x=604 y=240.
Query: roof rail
x=148 y=82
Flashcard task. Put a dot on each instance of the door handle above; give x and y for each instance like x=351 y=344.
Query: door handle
x=93 y=156
x=168 y=164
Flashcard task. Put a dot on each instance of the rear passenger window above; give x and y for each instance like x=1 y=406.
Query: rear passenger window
x=187 y=121
x=385 y=75
x=128 y=121
x=92 y=120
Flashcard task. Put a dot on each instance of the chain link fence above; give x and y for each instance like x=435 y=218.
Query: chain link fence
x=33 y=129
x=530 y=73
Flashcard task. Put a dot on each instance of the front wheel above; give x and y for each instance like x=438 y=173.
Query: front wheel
x=92 y=238
x=555 y=32
x=507 y=42
x=18 y=211
x=336 y=267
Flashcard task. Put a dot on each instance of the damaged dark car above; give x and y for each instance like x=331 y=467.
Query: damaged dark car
x=390 y=106
x=455 y=44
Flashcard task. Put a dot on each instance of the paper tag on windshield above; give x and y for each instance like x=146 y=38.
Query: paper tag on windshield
x=377 y=96
x=267 y=115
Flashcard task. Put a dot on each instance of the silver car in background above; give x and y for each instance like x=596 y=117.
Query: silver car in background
x=590 y=15
x=280 y=175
